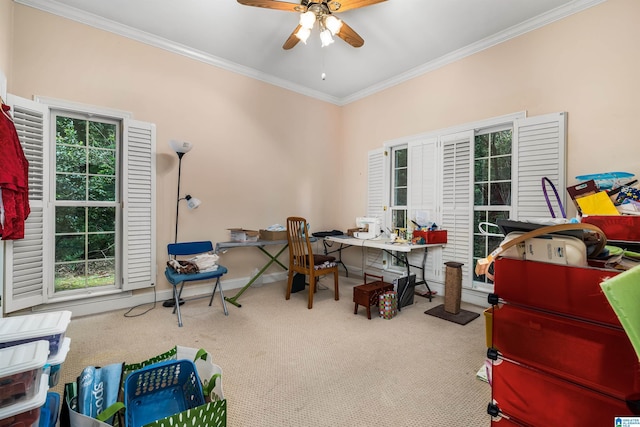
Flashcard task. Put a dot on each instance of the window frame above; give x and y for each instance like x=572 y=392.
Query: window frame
x=486 y=285
x=26 y=278
x=90 y=115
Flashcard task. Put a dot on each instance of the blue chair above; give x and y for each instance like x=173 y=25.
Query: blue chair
x=178 y=280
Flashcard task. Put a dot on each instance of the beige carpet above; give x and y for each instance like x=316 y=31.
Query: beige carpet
x=285 y=365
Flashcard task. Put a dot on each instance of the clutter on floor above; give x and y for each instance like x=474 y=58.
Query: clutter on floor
x=33 y=348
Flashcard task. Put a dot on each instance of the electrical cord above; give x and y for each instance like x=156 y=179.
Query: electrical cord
x=140 y=305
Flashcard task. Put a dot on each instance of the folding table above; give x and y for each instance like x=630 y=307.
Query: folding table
x=399 y=251
x=259 y=244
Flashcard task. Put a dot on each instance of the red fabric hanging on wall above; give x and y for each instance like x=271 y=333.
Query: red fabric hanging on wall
x=14 y=179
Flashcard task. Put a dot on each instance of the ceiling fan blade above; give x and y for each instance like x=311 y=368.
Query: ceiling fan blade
x=292 y=40
x=274 y=4
x=344 y=5
x=350 y=36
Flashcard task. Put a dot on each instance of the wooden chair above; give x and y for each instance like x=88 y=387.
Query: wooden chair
x=302 y=259
x=178 y=280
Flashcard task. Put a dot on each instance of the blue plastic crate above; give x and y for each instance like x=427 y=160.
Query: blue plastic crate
x=161 y=390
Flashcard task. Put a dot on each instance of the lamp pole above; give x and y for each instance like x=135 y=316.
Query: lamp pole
x=178 y=195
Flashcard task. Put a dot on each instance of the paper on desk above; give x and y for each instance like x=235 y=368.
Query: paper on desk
x=597 y=204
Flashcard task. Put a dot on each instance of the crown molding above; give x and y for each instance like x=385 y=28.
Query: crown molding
x=95 y=21
x=501 y=37
x=98 y=22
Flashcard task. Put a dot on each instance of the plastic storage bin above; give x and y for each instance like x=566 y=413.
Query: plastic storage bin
x=49 y=411
x=432 y=237
x=21 y=367
x=161 y=390
x=33 y=327
x=55 y=362
x=26 y=413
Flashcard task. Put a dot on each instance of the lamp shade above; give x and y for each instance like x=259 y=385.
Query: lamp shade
x=192 y=202
x=333 y=24
x=325 y=38
x=307 y=19
x=180 y=146
x=303 y=34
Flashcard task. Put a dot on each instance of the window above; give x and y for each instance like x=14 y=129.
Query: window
x=492 y=190
x=399 y=178
x=87 y=202
x=463 y=176
x=91 y=230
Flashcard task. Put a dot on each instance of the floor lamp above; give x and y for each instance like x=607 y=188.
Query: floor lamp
x=181 y=148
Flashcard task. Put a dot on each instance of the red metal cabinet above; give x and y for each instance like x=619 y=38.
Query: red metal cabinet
x=573 y=291
x=542 y=400
x=598 y=357
x=560 y=354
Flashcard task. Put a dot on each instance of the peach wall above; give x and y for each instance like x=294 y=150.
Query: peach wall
x=586 y=64
x=256 y=158
x=6 y=19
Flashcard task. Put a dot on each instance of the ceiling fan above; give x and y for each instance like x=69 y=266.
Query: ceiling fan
x=321 y=12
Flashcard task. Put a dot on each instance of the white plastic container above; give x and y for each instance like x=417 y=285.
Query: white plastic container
x=26 y=413
x=54 y=363
x=21 y=367
x=33 y=327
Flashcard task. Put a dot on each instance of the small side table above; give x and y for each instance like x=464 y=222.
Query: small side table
x=368 y=294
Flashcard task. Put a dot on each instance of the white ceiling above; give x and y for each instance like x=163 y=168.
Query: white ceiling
x=403 y=38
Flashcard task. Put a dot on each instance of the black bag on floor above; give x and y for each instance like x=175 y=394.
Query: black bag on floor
x=298 y=283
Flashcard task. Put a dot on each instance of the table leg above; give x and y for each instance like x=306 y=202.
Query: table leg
x=429 y=294
x=339 y=251
x=273 y=258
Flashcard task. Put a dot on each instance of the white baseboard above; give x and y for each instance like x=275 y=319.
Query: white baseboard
x=126 y=300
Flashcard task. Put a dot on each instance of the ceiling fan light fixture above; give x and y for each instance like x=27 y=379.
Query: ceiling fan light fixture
x=303 y=34
x=332 y=24
x=307 y=19
x=325 y=37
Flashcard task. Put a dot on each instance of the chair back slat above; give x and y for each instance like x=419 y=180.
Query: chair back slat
x=299 y=244
x=189 y=248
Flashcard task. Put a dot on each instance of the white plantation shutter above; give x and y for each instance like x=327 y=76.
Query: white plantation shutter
x=539 y=151
x=377 y=201
x=139 y=270
x=376 y=180
x=457 y=200
x=28 y=271
x=423 y=183
x=25 y=274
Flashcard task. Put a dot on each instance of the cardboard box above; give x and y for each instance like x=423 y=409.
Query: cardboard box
x=242 y=235
x=273 y=235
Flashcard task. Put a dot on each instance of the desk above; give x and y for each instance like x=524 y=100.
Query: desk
x=260 y=244
x=397 y=250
